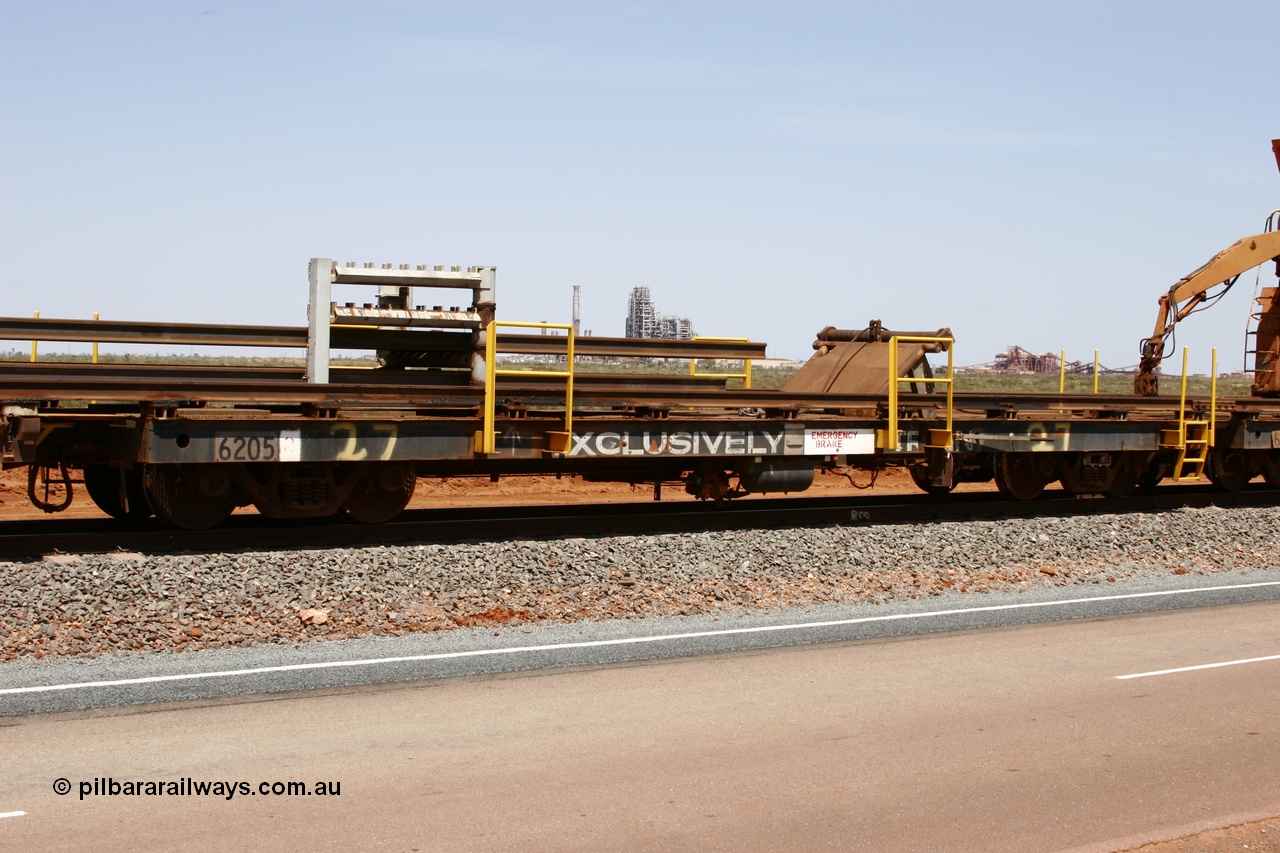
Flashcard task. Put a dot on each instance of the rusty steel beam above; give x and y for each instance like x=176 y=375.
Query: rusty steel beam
x=62 y=371
x=131 y=332
x=179 y=377
x=633 y=347
x=51 y=382
x=357 y=337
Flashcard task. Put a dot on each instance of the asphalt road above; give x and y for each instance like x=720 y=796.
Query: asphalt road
x=67 y=685
x=1021 y=738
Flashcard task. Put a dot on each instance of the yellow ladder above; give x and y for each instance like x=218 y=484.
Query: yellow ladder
x=1195 y=435
x=1263 y=297
x=486 y=439
x=745 y=375
x=1194 y=452
x=890 y=438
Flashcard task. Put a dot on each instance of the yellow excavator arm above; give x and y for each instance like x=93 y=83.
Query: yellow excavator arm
x=1208 y=283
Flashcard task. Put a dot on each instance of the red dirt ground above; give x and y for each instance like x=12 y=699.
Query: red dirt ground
x=460 y=492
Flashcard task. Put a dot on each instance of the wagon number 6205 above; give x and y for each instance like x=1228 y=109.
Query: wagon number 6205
x=247 y=448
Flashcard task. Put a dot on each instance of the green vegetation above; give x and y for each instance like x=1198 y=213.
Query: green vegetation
x=1121 y=384
x=761 y=377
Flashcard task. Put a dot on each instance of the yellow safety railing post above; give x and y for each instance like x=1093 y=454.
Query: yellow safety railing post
x=1182 y=404
x=33 y=343
x=95 y=343
x=745 y=375
x=1095 y=371
x=1062 y=371
x=951 y=389
x=568 y=388
x=891 y=436
x=1213 y=396
x=489 y=438
x=1195 y=436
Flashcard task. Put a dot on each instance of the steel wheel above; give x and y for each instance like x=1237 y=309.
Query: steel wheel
x=383 y=495
x=920 y=476
x=1125 y=481
x=116 y=492
x=193 y=497
x=1151 y=477
x=1271 y=467
x=1022 y=476
x=1228 y=470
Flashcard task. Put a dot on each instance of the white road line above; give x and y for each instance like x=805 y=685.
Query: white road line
x=623 y=641
x=11 y=814
x=1200 y=666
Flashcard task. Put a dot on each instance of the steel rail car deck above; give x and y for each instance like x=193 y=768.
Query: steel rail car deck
x=191 y=443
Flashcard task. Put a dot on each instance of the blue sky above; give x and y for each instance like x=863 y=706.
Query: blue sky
x=1021 y=172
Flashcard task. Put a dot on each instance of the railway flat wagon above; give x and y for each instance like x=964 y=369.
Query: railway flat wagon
x=454 y=391
x=191 y=443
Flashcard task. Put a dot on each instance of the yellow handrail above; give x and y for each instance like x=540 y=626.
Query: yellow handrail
x=1182 y=404
x=891 y=434
x=1213 y=397
x=745 y=375
x=489 y=439
x=1207 y=437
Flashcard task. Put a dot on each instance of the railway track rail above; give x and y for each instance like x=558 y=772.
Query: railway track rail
x=247 y=532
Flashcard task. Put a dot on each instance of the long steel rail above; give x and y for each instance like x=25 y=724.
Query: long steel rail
x=351 y=337
x=417 y=389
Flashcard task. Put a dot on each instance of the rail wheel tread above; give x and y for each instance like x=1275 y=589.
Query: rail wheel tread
x=1228 y=470
x=920 y=476
x=1023 y=476
x=116 y=492
x=175 y=494
x=384 y=495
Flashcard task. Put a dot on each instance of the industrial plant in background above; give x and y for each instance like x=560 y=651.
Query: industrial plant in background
x=644 y=320
x=1020 y=361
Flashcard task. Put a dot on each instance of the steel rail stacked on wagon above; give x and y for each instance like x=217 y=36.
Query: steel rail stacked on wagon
x=54 y=382
x=355 y=387
x=348 y=337
x=60 y=376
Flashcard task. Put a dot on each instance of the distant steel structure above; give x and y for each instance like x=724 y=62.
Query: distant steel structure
x=644 y=320
x=577 y=310
x=1018 y=360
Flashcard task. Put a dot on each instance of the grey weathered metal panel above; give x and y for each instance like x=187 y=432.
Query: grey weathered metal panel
x=320 y=273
